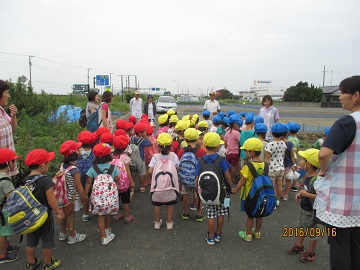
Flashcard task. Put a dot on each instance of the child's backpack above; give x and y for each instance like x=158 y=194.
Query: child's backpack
x=261 y=199
x=26 y=214
x=212 y=190
x=104 y=197
x=60 y=190
x=84 y=164
x=164 y=181
x=136 y=161
x=93 y=120
x=2 y=217
x=82 y=119
x=124 y=183
x=188 y=162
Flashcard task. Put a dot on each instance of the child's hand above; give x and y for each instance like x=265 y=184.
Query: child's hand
x=59 y=174
x=298 y=196
x=233 y=191
x=132 y=184
x=59 y=216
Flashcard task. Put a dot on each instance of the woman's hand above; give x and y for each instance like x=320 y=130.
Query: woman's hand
x=13 y=110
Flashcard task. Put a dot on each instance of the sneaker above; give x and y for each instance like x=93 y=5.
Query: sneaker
x=193 y=207
x=54 y=264
x=285 y=197
x=217 y=237
x=31 y=266
x=308 y=257
x=244 y=236
x=277 y=203
x=108 y=231
x=12 y=249
x=170 y=225
x=294 y=189
x=85 y=218
x=296 y=250
x=63 y=236
x=128 y=219
x=106 y=240
x=200 y=218
x=257 y=235
x=157 y=225
x=210 y=240
x=78 y=238
x=185 y=216
x=10 y=257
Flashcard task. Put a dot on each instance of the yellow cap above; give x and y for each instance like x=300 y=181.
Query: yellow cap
x=212 y=139
x=174 y=119
x=252 y=144
x=181 y=125
x=203 y=124
x=185 y=117
x=191 y=134
x=312 y=156
x=164 y=139
x=163 y=118
x=170 y=112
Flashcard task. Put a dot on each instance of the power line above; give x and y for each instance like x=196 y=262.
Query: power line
x=51 y=61
x=52 y=70
x=15 y=54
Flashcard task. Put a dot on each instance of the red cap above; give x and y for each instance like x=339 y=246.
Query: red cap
x=144 y=116
x=69 y=147
x=87 y=137
x=38 y=156
x=107 y=137
x=101 y=149
x=144 y=121
x=121 y=124
x=139 y=127
x=119 y=132
x=132 y=119
x=121 y=141
x=7 y=155
x=101 y=130
x=149 y=130
x=129 y=125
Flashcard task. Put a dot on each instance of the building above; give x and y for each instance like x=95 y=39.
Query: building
x=260 y=89
x=330 y=97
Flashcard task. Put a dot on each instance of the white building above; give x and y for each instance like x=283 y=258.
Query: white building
x=260 y=89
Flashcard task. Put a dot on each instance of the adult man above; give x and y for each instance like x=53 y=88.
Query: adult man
x=212 y=105
x=136 y=105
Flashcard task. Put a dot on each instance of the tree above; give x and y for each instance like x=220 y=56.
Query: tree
x=303 y=93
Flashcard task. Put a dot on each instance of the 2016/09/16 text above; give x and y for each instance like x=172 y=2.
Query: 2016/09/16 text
x=311 y=232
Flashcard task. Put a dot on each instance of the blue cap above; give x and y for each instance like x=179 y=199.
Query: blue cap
x=294 y=126
x=326 y=131
x=149 y=96
x=226 y=120
x=277 y=128
x=231 y=112
x=234 y=119
x=240 y=123
x=221 y=115
x=249 y=118
x=242 y=114
x=216 y=119
x=286 y=128
x=206 y=113
x=260 y=127
x=259 y=119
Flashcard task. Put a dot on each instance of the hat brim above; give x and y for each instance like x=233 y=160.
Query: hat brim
x=50 y=156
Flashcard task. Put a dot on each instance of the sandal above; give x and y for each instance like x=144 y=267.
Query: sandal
x=244 y=236
x=142 y=189
x=31 y=266
x=129 y=219
x=54 y=264
x=118 y=217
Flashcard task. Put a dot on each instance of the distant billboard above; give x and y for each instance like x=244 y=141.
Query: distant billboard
x=263 y=82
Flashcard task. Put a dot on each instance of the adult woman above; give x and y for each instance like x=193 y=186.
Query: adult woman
x=338 y=193
x=105 y=111
x=150 y=108
x=93 y=103
x=269 y=113
x=7 y=123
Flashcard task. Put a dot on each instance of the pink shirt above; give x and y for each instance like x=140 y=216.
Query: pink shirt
x=232 y=138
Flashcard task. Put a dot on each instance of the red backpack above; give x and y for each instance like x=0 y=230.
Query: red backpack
x=60 y=186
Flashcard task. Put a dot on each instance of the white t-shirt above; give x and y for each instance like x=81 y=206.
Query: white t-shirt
x=277 y=154
x=151 y=111
x=212 y=106
x=135 y=106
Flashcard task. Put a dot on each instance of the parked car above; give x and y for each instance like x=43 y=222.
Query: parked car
x=166 y=103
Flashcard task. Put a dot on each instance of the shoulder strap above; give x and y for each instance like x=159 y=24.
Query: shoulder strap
x=202 y=161
x=5 y=178
x=32 y=181
x=68 y=168
x=97 y=169
x=111 y=169
x=218 y=160
x=312 y=180
x=139 y=141
x=252 y=169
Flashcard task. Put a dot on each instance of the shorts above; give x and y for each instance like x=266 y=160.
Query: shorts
x=142 y=169
x=45 y=233
x=306 y=220
x=276 y=176
x=287 y=170
x=187 y=190
x=213 y=211
x=6 y=229
x=125 y=196
x=233 y=159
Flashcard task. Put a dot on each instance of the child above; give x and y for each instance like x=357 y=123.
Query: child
x=191 y=136
x=122 y=161
x=203 y=126
x=221 y=129
x=165 y=157
x=140 y=132
x=107 y=137
x=172 y=123
x=179 y=142
x=215 y=123
x=319 y=142
x=149 y=152
x=261 y=130
x=38 y=161
x=74 y=191
x=294 y=128
x=246 y=133
x=84 y=163
x=215 y=213
x=252 y=148
x=232 y=139
x=274 y=156
x=206 y=116
x=306 y=196
x=7 y=164
x=103 y=156
x=163 y=121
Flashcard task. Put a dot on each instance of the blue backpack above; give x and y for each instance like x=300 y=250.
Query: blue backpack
x=261 y=199
x=188 y=162
x=84 y=165
x=93 y=120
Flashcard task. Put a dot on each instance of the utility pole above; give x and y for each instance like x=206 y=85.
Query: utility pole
x=30 y=64
x=88 y=76
x=324 y=76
